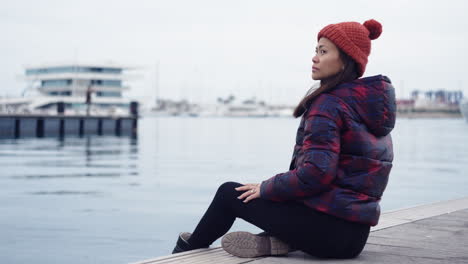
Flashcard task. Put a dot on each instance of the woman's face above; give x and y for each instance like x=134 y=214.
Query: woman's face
x=326 y=61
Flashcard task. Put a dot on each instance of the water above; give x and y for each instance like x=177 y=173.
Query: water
x=117 y=199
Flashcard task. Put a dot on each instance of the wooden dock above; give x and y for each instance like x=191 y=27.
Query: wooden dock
x=434 y=233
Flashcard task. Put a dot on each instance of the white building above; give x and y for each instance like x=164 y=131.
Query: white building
x=47 y=85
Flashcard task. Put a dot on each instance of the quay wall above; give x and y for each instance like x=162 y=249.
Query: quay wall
x=14 y=126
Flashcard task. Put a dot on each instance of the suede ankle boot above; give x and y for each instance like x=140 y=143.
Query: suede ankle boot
x=182 y=243
x=247 y=245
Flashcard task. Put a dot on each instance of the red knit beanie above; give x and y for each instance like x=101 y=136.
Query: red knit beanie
x=353 y=39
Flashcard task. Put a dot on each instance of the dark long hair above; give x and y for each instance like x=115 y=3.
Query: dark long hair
x=349 y=73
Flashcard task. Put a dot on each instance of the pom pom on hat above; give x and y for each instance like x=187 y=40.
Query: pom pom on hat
x=374 y=27
x=353 y=39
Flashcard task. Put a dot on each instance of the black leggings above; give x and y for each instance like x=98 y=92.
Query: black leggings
x=303 y=228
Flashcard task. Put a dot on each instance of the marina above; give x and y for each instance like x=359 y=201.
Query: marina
x=119 y=121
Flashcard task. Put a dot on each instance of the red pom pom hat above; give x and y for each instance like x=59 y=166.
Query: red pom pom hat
x=353 y=39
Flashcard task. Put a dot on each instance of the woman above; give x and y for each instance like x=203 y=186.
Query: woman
x=328 y=200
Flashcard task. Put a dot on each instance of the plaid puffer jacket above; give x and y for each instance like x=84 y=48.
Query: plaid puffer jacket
x=343 y=153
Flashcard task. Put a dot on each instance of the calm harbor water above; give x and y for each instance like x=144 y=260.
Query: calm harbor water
x=118 y=199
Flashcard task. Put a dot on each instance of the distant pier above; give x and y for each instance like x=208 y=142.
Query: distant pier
x=16 y=126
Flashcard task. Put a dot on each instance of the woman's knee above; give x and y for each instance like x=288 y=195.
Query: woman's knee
x=228 y=187
x=227 y=190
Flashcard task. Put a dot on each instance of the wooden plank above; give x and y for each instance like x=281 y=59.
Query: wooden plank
x=411 y=214
x=211 y=255
x=419 y=253
x=368 y=258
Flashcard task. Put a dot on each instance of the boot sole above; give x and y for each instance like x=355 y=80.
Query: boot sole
x=247 y=245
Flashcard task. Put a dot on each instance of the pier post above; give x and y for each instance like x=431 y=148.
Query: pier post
x=60 y=108
x=134 y=112
x=134 y=109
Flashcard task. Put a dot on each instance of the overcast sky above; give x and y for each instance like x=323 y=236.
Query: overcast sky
x=210 y=48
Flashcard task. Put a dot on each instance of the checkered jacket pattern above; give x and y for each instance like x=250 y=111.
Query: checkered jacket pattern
x=343 y=153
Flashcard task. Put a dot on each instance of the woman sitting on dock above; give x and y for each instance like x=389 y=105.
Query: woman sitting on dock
x=328 y=200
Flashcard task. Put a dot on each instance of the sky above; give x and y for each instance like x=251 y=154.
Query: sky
x=205 y=49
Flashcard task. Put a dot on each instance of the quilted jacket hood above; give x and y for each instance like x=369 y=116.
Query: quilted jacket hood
x=373 y=101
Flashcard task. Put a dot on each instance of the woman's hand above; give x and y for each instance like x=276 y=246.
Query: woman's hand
x=251 y=191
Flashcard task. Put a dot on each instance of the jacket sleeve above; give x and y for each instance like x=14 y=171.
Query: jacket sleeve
x=320 y=150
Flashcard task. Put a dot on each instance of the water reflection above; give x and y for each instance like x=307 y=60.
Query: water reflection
x=64 y=192
x=71 y=175
x=69 y=157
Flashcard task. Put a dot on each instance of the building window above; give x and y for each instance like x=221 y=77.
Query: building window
x=52 y=83
x=50 y=70
x=72 y=69
x=63 y=93
x=99 y=70
x=109 y=94
x=114 y=83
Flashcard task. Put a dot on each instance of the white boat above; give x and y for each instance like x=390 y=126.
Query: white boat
x=80 y=88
